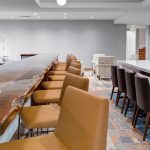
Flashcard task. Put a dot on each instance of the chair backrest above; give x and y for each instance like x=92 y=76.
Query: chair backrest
x=75 y=81
x=74 y=70
x=76 y=65
x=95 y=56
x=121 y=79
x=76 y=61
x=114 y=75
x=142 y=88
x=130 y=85
x=83 y=121
x=106 y=59
x=69 y=60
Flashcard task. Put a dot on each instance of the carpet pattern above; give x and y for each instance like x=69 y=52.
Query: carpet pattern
x=121 y=135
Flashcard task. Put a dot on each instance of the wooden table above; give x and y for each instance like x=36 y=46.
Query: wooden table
x=17 y=81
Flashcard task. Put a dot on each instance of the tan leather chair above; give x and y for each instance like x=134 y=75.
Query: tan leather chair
x=54 y=96
x=64 y=68
x=46 y=116
x=77 y=127
x=62 y=77
x=65 y=72
x=59 y=84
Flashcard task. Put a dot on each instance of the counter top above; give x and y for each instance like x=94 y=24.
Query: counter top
x=140 y=65
x=17 y=79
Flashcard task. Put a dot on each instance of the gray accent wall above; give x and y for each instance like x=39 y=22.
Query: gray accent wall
x=82 y=38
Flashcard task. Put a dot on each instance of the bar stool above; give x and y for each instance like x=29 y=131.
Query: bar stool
x=130 y=85
x=46 y=116
x=62 y=77
x=121 y=86
x=142 y=87
x=73 y=132
x=114 y=79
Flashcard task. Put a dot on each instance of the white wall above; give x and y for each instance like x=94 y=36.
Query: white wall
x=82 y=38
x=142 y=38
x=131 y=44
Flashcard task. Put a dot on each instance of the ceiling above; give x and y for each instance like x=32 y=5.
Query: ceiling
x=135 y=12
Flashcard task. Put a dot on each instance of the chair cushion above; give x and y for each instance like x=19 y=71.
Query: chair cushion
x=57 y=77
x=46 y=96
x=53 y=84
x=57 y=72
x=61 y=65
x=44 y=116
x=46 y=142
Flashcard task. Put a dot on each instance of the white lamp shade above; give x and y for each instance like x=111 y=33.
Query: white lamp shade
x=61 y=2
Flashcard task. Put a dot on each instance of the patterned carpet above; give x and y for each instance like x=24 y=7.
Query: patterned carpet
x=121 y=135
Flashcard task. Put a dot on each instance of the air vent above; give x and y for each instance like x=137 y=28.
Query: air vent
x=25 y=16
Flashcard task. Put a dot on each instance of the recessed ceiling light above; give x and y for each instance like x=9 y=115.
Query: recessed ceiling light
x=65 y=17
x=61 y=2
x=91 y=17
x=146 y=22
x=35 y=13
x=38 y=17
x=65 y=13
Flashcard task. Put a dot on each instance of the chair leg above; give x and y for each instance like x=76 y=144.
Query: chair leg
x=118 y=97
x=146 y=125
x=124 y=99
x=37 y=131
x=47 y=130
x=18 y=128
x=134 y=113
x=31 y=132
x=112 y=92
x=127 y=106
x=136 y=116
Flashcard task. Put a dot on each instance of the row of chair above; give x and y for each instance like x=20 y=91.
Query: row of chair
x=76 y=128
x=136 y=91
x=53 y=92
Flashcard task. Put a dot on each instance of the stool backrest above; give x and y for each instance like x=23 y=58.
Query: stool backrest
x=83 y=120
x=69 y=60
x=75 y=81
x=114 y=75
x=76 y=65
x=121 y=79
x=130 y=85
x=142 y=92
x=74 y=70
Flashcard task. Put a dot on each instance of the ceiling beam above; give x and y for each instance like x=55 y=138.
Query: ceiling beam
x=48 y=4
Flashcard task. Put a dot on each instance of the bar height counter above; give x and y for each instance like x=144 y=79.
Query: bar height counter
x=140 y=66
x=17 y=82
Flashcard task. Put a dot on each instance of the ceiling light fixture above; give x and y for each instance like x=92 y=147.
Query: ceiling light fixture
x=132 y=26
x=91 y=17
x=61 y=2
x=35 y=14
x=38 y=17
